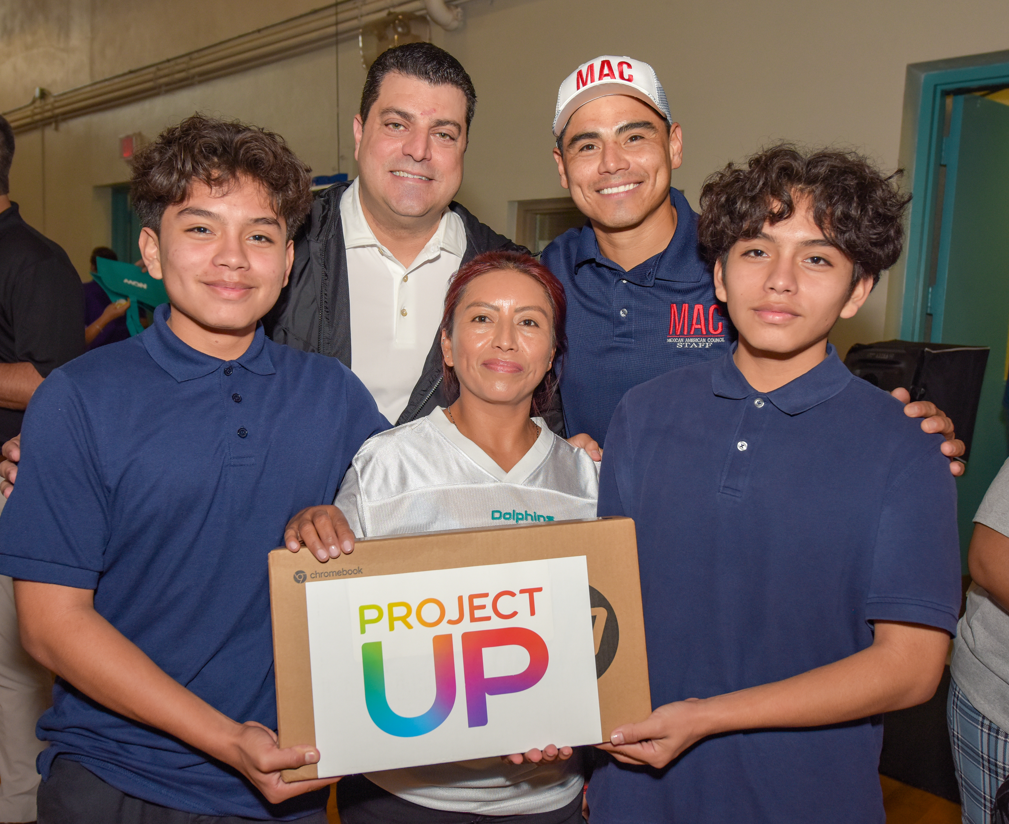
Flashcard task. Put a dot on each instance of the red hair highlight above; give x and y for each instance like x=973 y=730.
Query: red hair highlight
x=527 y=265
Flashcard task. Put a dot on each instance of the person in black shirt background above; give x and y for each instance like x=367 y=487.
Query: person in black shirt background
x=41 y=303
x=41 y=327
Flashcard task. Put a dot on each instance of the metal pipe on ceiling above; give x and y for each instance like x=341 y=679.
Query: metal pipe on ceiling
x=285 y=39
x=448 y=18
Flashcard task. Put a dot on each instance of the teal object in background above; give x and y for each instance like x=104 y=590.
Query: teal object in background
x=957 y=306
x=969 y=300
x=124 y=280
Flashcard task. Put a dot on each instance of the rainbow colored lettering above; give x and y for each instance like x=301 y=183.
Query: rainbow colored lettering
x=378 y=704
x=479 y=686
x=473 y=643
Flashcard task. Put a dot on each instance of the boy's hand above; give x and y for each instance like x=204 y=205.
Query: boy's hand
x=661 y=737
x=548 y=755
x=323 y=529
x=584 y=440
x=61 y=630
x=934 y=421
x=9 y=466
x=901 y=668
x=257 y=756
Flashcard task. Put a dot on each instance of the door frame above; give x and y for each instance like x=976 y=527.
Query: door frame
x=124 y=228
x=921 y=143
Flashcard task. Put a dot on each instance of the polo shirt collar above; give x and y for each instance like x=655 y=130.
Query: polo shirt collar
x=357 y=233
x=657 y=267
x=184 y=363
x=819 y=384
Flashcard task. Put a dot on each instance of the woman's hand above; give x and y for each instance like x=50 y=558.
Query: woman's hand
x=548 y=755
x=323 y=529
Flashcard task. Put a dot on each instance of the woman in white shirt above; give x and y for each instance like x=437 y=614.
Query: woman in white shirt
x=488 y=454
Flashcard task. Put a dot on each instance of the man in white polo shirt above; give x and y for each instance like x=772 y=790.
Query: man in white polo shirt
x=388 y=243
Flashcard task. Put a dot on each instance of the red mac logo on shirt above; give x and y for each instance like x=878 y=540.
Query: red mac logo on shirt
x=695 y=326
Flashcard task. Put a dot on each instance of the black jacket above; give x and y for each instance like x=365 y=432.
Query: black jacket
x=313 y=312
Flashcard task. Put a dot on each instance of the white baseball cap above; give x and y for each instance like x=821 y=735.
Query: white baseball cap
x=608 y=75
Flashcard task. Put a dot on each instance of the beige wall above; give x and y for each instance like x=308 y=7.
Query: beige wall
x=61 y=44
x=738 y=75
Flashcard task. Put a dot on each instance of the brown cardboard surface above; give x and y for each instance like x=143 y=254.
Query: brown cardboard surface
x=610 y=549
x=292 y=663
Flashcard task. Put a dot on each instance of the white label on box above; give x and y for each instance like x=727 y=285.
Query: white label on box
x=448 y=665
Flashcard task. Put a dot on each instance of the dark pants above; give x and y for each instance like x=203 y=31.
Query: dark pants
x=75 y=795
x=361 y=802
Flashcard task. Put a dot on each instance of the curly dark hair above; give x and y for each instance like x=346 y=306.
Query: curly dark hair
x=217 y=153
x=424 y=61
x=857 y=208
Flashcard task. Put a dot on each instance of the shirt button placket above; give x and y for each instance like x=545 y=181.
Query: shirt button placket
x=751 y=424
x=623 y=316
x=234 y=399
x=242 y=431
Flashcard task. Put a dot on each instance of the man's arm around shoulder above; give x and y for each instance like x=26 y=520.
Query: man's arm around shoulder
x=61 y=629
x=18 y=382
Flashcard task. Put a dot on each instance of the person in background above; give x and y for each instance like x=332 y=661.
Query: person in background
x=41 y=303
x=41 y=328
x=502 y=340
x=104 y=319
x=978 y=708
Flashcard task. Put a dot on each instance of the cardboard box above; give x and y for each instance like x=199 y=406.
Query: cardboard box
x=420 y=649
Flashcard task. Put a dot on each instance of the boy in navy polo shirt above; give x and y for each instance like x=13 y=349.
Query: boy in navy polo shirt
x=158 y=474
x=796 y=532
